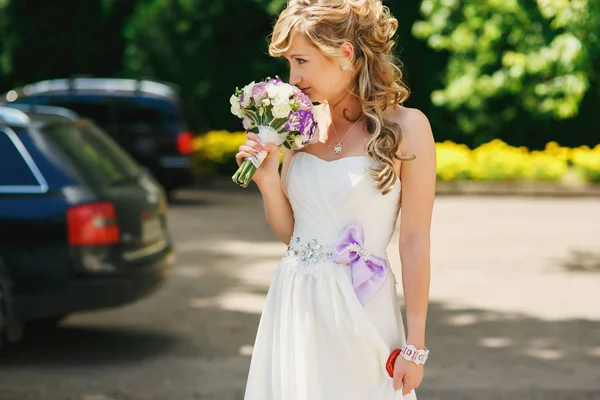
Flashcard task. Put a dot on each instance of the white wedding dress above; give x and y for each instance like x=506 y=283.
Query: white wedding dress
x=315 y=340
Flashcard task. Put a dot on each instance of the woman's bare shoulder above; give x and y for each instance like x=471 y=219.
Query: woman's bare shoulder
x=406 y=117
x=414 y=125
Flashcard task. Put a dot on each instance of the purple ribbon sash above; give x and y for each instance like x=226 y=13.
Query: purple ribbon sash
x=368 y=271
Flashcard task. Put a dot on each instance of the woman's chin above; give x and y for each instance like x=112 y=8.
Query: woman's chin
x=315 y=99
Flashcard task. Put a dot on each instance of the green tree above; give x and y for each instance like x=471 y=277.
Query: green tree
x=3 y=35
x=206 y=47
x=45 y=40
x=510 y=58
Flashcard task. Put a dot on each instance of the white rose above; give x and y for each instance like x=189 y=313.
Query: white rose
x=283 y=95
x=268 y=134
x=281 y=110
x=298 y=143
x=266 y=102
x=236 y=109
x=286 y=91
x=272 y=90
x=248 y=94
x=248 y=123
x=279 y=99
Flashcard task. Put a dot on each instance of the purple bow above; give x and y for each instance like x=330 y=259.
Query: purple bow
x=368 y=271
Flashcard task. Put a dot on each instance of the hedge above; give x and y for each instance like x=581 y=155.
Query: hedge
x=214 y=153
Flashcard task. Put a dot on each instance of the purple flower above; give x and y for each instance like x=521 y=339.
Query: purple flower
x=274 y=81
x=302 y=121
x=303 y=100
x=259 y=92
x=293 y=123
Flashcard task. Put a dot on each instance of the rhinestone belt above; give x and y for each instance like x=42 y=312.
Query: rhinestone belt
x=311 y=252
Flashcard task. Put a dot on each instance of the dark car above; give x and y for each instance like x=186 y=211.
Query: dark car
x=82 y=225
x=143 y=116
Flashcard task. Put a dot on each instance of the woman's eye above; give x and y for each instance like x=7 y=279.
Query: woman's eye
x=300 y=61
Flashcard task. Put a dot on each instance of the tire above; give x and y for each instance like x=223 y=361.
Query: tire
x=11 y=330
x=2 y=318
x=45 y=324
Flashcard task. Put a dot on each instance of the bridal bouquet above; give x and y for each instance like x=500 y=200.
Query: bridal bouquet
x=279 y=113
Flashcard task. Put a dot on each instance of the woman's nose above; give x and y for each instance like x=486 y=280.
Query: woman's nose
x=295 y=77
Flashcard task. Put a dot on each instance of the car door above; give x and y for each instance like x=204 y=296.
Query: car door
x=138 y=201
x=32 y=223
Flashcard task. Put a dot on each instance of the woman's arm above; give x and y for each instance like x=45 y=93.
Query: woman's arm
x=278 y=210
x=418 y=178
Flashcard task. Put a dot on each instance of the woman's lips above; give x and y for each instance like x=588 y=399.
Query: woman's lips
x=304 y=90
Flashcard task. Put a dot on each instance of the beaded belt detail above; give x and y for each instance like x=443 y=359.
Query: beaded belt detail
x=311 y=252
x=367 y=270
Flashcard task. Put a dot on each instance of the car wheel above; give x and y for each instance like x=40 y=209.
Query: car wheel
x=2 y=319
x=44 y=324
x=11 y=330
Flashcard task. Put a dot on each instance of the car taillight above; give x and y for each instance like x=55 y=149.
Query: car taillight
x=185 y=142
x=92 y=224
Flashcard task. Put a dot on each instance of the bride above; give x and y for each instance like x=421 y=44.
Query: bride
x=332 y=316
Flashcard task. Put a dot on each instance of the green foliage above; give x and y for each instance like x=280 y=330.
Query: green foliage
x=46 y=40
x=214 y=153
x=507 y=57
x=524 y=71
x=207 y=47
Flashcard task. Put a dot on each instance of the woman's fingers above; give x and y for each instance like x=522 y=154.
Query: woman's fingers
x=408 y=385
x=253 y=143
x=253 y=136
x=398 y=381
x=250 y=149
x=271 y=148
x=247 y=150
x=243 y=153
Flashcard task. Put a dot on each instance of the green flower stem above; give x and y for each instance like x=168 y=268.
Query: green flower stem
x=238 y=173
x=244 y=173
x=247 y=177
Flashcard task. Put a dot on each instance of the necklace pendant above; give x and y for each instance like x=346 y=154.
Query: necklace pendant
x=337 y=149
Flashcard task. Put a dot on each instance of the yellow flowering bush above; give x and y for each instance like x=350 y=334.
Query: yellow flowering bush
x=214 y=152
x=454 y=161
x=497 y=160
x=586 y=162
x=493 y=161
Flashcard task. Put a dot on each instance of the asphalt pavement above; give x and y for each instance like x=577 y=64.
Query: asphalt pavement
x=514 y=312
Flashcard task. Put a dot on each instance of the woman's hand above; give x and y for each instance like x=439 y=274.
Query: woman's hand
x=252 y=147
x=407 y=374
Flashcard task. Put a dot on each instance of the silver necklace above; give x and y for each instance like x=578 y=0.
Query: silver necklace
x=337 y=149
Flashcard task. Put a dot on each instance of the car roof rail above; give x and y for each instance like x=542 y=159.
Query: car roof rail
x=46 y=110
x=76 y=84
x=13 y=116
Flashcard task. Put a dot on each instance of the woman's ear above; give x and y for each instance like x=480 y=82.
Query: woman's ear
x=348 y=52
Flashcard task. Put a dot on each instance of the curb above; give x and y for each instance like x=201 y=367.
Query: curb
x=525 y=189
x=447 y=188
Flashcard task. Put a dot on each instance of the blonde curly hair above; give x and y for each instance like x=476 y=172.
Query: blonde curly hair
x=378 y=83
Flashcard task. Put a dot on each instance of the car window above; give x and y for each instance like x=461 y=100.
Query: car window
x=100 y=111
x=144 y=115
x=14 y=170
x=93 y=152
x=130 y=113
x=121 y=115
